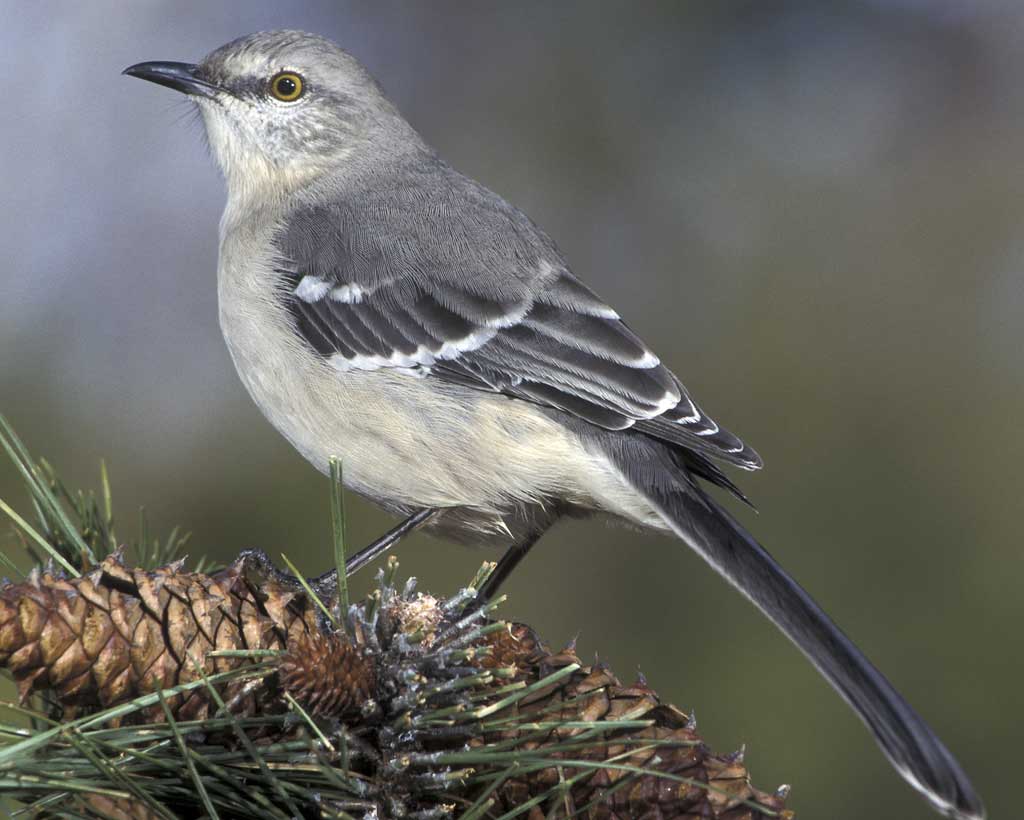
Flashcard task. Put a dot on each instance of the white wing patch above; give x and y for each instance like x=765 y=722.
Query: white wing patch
x=647 y=361
x=420 y=358
x=418 y=363
x=603 y=312
x=668 y=401
x=690 y=419
x=714 y=428
x=312 y=289
x=510 y=319
x=348 y=294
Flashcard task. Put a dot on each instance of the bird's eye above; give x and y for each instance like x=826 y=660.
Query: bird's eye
x=286 y=86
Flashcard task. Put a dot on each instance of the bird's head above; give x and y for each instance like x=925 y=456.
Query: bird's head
x=283 y=108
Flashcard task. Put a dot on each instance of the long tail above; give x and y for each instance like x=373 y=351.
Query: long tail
x=911 y=746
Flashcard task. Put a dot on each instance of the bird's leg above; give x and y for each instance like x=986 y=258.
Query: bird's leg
x=508 y=562
x=326 y=585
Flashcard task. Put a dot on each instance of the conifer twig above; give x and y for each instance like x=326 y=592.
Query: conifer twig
x=160 y=692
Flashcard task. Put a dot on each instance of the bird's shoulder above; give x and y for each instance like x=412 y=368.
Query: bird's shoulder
x=420 y=219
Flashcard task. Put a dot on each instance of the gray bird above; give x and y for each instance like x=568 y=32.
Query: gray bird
x=383 y=309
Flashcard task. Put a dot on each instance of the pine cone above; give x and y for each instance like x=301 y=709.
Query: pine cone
x=117 y=633
x=408 y=681
x=327 y=674
x=595 y=694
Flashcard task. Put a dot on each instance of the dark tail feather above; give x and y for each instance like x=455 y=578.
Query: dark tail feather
x=911 y=746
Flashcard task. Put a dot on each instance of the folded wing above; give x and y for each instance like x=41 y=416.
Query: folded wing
x=457 y=285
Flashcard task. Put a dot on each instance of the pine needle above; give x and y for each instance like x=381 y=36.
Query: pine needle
x=309 y=590
x=196 y=779
x=338 y=529
x=30 y=531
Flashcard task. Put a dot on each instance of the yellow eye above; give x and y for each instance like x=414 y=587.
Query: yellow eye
x=286 y=86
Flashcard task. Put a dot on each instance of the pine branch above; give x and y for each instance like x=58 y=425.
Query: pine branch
x=164 y=692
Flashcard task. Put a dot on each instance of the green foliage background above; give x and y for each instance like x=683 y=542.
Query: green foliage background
x=812 y=211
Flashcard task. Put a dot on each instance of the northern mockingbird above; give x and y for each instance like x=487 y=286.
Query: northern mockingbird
x=384 y=309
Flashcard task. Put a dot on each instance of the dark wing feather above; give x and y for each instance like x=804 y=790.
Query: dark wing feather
x=442 y=278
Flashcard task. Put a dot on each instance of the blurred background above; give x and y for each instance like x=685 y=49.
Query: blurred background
x=812 y=212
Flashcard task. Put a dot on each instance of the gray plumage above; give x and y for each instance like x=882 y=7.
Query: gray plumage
x=492 y=304
x=382 y=308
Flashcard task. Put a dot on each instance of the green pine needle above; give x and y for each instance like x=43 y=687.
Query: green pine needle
x=309 y=590
x=47 y=547
x=338 y=529
x=189 y=762
x=42 y=494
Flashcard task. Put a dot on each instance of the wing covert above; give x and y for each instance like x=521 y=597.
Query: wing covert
x=460 y=286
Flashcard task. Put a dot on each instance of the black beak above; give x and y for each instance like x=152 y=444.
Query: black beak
x=181 y=77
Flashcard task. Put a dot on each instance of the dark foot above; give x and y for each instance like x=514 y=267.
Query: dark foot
x=326 y=585
x=509 y=561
